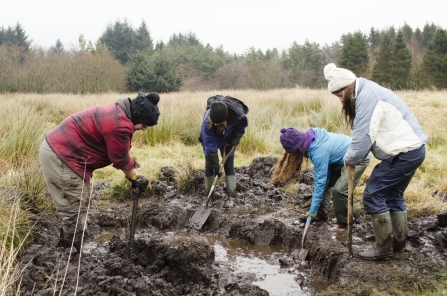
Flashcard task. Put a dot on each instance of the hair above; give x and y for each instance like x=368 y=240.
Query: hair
x=219 y=128
x=348 y=109
x=288 y=167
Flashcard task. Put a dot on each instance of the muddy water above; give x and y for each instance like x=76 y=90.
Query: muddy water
x=261 y=261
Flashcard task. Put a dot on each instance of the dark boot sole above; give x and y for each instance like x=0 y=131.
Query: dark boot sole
x=376 y=258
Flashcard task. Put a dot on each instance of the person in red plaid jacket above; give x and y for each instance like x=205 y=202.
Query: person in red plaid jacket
x=91 y=139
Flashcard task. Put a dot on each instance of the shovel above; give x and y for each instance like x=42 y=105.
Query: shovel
x=203 y=212
x=303 y=252
x=351 y=171
x=136 y=193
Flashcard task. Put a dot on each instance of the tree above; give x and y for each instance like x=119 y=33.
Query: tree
x=143 y=40
x=407 y=31
x=15 y=36
x=428 y=32
x=401 y=63
x=181 y=39
x=383 y=67
x=433 y=70
x=331 y=53
x=374 y=45
x=122 y=40
x=58 y=47
x=151 y=73
x=354 y=53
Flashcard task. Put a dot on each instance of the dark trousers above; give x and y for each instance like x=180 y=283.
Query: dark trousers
x=228 y=165
x=385 y=188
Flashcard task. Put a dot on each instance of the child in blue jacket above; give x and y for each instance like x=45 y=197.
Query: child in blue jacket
x=326 y=151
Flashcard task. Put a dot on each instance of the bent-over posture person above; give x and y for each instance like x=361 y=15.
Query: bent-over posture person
x=91 y=139
x=381 y=123
x=223 y=126
x=325 y=150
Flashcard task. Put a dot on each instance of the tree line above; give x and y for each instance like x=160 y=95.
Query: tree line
x=126 y=59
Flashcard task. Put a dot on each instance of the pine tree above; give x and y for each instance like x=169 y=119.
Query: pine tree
x=383 y=67
x=151 y=73
x=16 y=36
x=374 y=43
x=433 y=71
x=428 y=32
x=354 y=53
x=122 y=40
x=143 y=40
x=401 y=63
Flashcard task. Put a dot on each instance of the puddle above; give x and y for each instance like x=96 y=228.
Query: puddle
x=105 y=236
x=239 y=256
x=261 y=261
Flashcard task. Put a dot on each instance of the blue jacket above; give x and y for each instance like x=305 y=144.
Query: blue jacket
x=326 y=151
x=211 y=141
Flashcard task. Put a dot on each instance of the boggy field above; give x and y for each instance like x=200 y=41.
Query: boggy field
x=171 y=258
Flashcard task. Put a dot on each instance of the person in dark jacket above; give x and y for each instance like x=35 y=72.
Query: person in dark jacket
x=223 y=126
x=382 y=123
x=91 y=139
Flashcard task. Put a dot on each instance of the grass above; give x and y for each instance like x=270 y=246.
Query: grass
x=13 y=233
x=25 y=118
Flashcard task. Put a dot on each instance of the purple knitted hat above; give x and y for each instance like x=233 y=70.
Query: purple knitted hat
x=292 y=139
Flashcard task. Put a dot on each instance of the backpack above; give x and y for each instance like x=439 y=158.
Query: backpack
x=236 y=105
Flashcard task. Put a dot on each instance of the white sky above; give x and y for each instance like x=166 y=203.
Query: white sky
x=234 y=24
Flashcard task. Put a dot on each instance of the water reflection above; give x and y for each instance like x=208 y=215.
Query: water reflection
x=261 y=261
x=240 y=256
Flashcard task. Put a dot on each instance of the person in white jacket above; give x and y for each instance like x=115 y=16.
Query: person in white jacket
x=383 y=124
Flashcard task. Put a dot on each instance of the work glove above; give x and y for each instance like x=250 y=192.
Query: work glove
x=213 y=160
x=139 y=181
x=312 y=214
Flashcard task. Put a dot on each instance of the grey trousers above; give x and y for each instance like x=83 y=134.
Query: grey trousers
x=338 y=189
x=68 y=190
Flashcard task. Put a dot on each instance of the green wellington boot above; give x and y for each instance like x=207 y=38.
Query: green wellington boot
x=400 y=230
x=208 y=183
x=383 y=247
x=231 y=189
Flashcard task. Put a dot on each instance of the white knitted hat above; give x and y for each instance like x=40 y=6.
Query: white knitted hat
x=337 y=77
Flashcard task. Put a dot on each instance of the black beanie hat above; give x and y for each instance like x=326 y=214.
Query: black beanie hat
x=143 y=109
x=218 y=112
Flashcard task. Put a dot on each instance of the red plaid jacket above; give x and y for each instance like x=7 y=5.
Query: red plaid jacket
x=94 y=138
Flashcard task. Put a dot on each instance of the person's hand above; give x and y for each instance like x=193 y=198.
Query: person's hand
x=213 y=160
x=140 y=182
x=236 y=137
x=312 y=214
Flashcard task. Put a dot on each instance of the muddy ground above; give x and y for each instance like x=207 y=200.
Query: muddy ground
x=185 y=264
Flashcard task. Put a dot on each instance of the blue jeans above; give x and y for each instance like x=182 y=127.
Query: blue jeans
x=385 y=188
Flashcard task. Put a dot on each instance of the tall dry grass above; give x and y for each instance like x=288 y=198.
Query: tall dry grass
x=14 y=230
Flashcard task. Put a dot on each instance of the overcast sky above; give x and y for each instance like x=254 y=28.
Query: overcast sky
x=235 y=24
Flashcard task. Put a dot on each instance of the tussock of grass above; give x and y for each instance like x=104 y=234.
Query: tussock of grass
x=184 y=170
x=13 y=233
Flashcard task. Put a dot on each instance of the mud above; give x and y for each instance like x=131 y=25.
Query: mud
x=171 y=259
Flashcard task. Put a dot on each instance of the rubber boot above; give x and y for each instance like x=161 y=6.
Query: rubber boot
x=400 y=230
x=231 y=189
x=383 y=247
x=208 y=183
x=66 y=239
